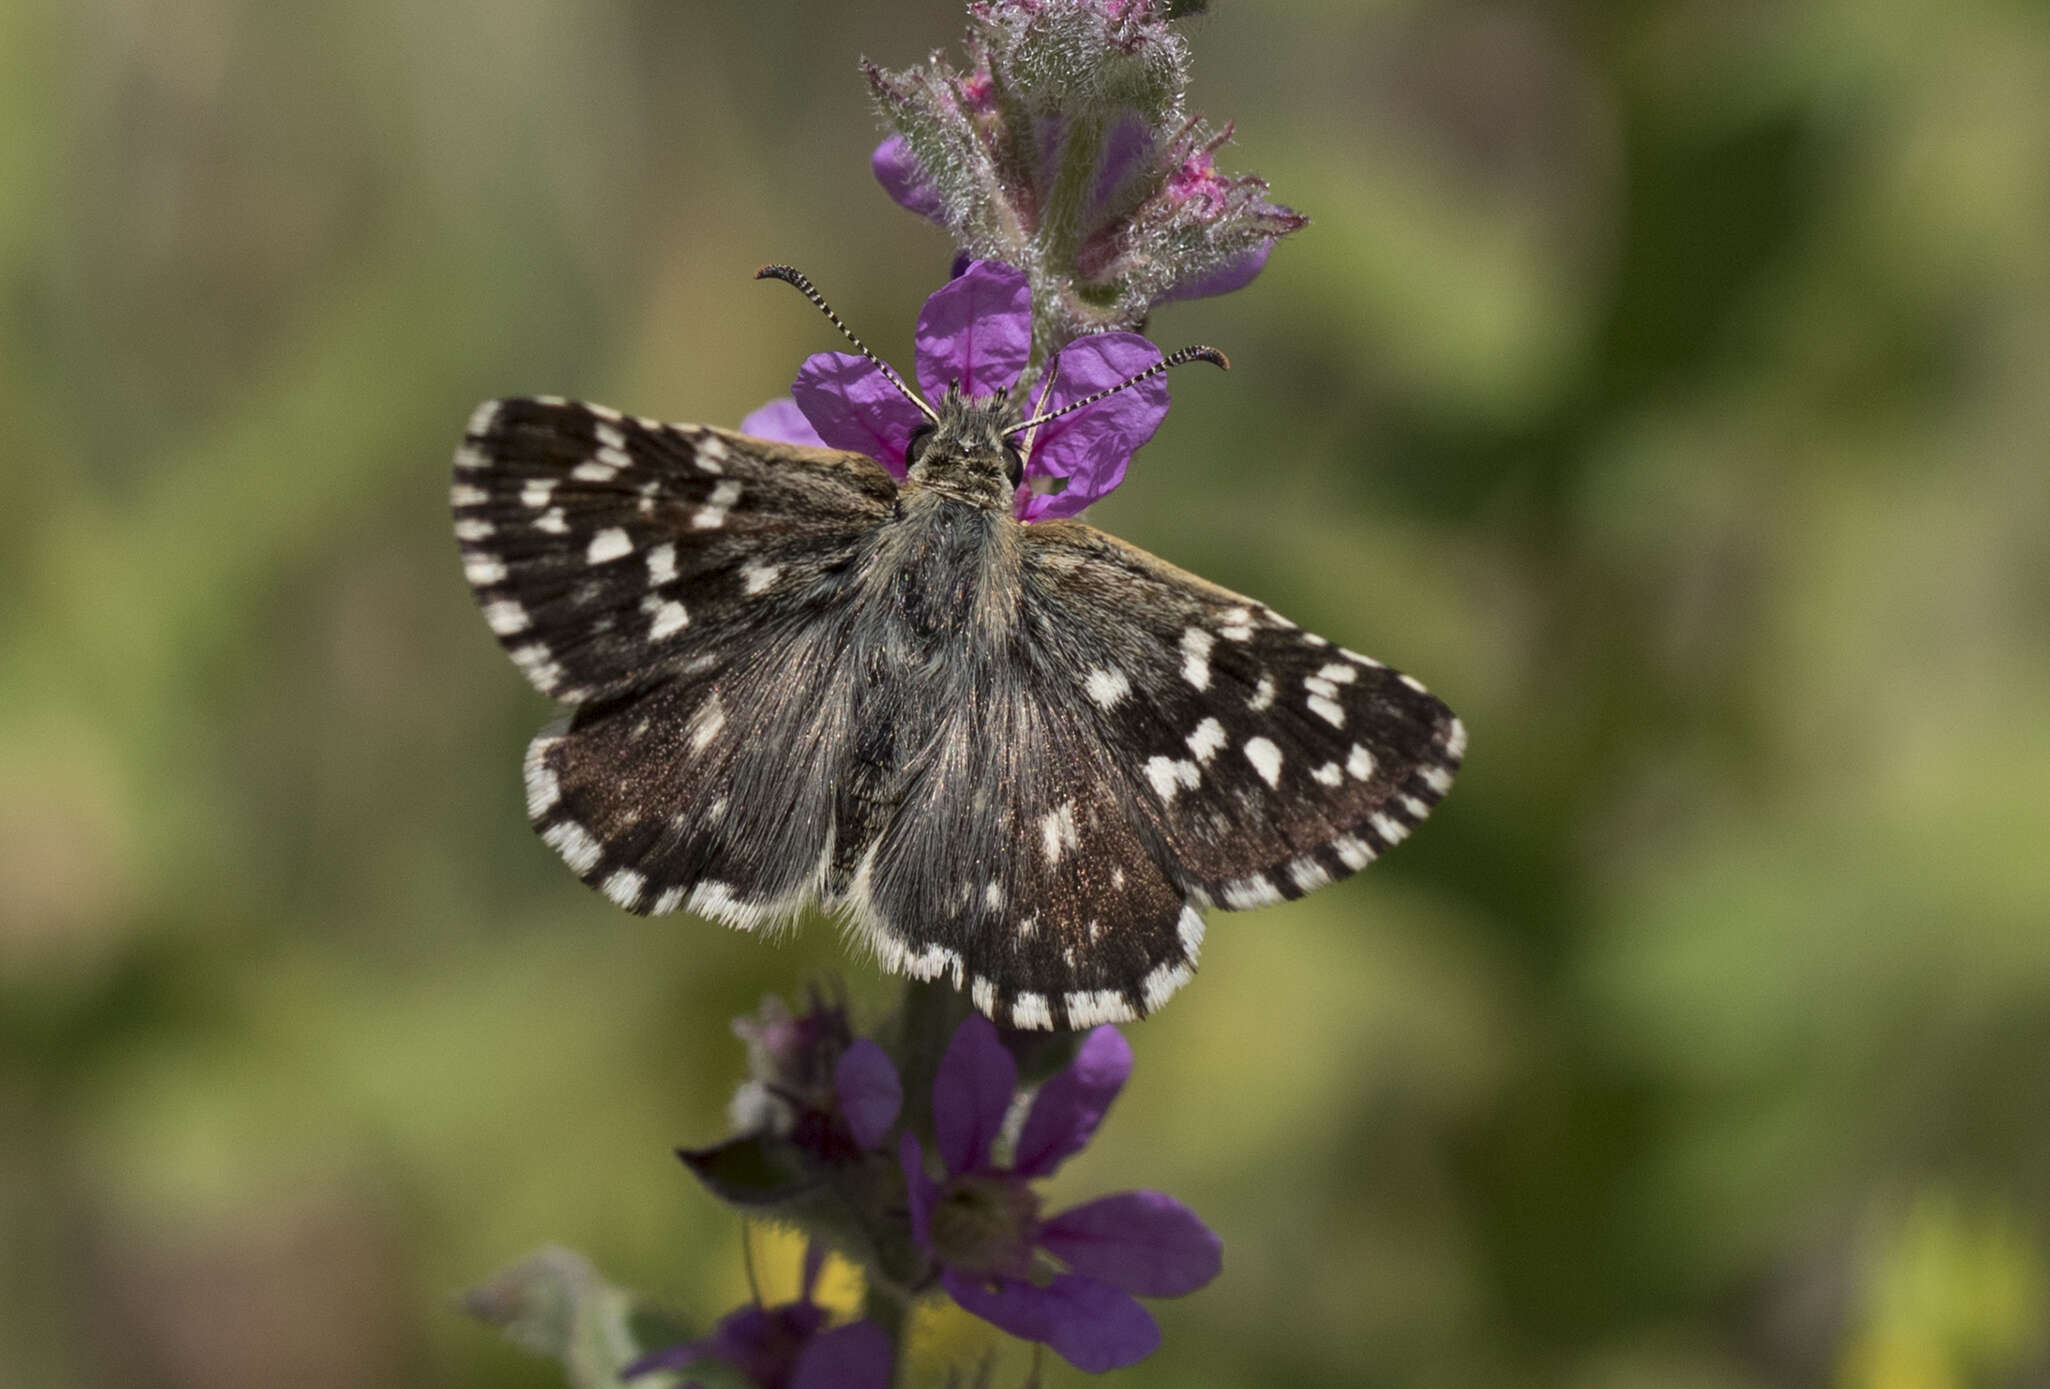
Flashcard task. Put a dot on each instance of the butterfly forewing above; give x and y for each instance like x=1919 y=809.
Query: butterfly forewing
x=601 y=546
x=1269 y=760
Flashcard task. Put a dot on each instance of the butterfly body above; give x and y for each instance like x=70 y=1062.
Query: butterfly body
x=1022 y=757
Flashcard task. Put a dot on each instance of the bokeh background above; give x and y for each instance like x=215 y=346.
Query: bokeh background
x=1668 y=384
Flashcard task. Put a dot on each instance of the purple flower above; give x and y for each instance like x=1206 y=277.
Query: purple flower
x=975 y=333
x=1067 y=1281
x=786 y=1346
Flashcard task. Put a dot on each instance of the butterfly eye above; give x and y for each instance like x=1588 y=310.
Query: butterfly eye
x=1014 y=464
x=915 y=450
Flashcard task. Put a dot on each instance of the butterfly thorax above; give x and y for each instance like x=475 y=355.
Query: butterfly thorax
x=964 y=452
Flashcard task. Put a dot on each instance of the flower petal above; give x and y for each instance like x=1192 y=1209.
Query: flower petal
x=970 y=1094
x=1236 y=273
x=869 y=1092
x=975 y=329
x=782 y=421
x=918 y=1188
x=903 y=178
x=1145 y=1242
x=855 y=1356
x=1068 y=1107
x=1092 y=447
x=1091 y=1325
x=852 y=405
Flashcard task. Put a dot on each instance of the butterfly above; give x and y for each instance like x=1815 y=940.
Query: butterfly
x=1021 y=757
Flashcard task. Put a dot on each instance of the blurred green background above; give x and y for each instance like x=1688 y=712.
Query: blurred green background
x=1667 y=384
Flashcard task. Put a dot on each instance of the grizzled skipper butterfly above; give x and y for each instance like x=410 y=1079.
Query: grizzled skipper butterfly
x=1024 y=757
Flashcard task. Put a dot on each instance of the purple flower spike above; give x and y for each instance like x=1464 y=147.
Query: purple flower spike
x=1067 y=1282
x=869 y=1092
x=853 y=406
x=975 y=330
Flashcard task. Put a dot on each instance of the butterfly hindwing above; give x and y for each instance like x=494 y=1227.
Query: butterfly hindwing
x=1015 y=867
x=601 y=546
x=1269 y=761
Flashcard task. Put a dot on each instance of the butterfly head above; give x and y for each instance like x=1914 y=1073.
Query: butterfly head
x=964 y=452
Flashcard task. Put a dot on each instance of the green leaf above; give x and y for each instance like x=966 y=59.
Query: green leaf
x=751 y=1172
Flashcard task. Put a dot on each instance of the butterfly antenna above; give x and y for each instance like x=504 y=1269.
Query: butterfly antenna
x=1197 y=353
x=789 y=275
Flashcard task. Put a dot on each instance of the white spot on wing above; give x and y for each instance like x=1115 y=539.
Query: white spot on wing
x=475 y=528
x=463 y=494
x=1057 y=831
x=1338 y=673
x=1190 y=928
x=1206 y=740
x=755 y=577
x=1107 y=687
x=552 y=521
x=662 y=564
x=1246 y=893
x=712 y=514
x=506 y=617
x=1413 y=683
x=1330 y=774
x=984 y=993
x=1437 y=778
x=1161 y=985
x=1196 y=644
x=1170 y=776
x=1087 y=1009
x=1266 y=759
x=1308 y=874
x=578 y=849
x=536 y=492
x=670 y=618
x=543 y=790
x=482 y=418
x=1352 y=851
x=1329 y=710
x=1263 y=695
x=707 y=723
x=483 y=570
x=624 y=886
x=993 y=896
x=608 y=544
x=668 y=902
x=1389 y=828
x=1360 y=764
x=1031 y=1010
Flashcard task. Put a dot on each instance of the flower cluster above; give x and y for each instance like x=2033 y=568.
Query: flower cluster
x=1065 y=149
x=975 y=333
x=957 y=1218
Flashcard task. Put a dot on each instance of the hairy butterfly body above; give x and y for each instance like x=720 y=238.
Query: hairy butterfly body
x=1021 y=757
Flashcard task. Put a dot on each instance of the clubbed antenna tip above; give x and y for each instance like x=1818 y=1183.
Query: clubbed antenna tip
x=1194 y=353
